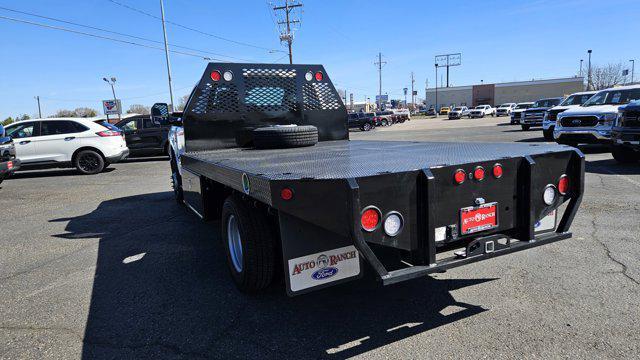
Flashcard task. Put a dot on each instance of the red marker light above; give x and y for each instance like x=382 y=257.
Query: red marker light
x=478 y=173
x=564 y=184
x=215 y=75
x=460 y=176
x=370 y=219
x=497 y=171
x=286 y=194
x=319 y=76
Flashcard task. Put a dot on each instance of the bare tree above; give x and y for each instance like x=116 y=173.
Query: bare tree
x=182 y=102
x=82 y=112
x=606 y=76
x=139 y=109
x=64 y=113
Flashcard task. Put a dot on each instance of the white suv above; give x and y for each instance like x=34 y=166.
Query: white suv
x=86 y=144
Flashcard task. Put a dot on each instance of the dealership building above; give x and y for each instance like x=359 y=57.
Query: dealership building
x=500 y=93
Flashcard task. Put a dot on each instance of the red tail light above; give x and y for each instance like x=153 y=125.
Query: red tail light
x=563 y=184
x=478 y=173
x=370 y=219
x=319 y=76
x=215 y=75
x=286 y=194
x=108 y=133
x=460 y=176
x=497 y=171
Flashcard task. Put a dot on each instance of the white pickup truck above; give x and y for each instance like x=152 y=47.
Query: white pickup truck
x=505 y=109
x=481 y=111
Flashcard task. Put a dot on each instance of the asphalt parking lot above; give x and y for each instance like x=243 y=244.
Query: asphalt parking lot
x=109 y=266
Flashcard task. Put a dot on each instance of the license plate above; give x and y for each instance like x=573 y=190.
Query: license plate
x=478 y=218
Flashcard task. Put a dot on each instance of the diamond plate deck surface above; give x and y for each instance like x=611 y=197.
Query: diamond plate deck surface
x=357 y=158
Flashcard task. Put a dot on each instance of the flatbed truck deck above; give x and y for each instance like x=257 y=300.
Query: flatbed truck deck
x=325 y=212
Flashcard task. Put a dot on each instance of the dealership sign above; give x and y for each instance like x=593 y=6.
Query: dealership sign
x=112 y=107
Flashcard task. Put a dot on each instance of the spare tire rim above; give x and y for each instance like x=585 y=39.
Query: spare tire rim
x=88 y=162
x=235 y=243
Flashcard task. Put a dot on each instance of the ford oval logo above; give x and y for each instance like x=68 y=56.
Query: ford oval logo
x=324 y=273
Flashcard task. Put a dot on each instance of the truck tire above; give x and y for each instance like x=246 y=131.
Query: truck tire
x=249 y=245
x=89 y=162
x=624 y=155
x=525 y=127
x=548 y=134
x=176 y=179
x=283 y=137
x=366 y=127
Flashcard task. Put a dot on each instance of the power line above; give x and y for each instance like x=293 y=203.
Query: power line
x=192 y=29
x=104 y=37
x=117 y=33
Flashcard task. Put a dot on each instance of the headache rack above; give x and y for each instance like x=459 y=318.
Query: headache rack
x=232 y=99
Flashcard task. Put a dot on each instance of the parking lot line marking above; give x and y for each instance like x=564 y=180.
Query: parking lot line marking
x=130 y=259
x=623 y=176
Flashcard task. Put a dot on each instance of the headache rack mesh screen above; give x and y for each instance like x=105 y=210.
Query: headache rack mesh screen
x=270 y=89
x=217 y=98
x=319 y=96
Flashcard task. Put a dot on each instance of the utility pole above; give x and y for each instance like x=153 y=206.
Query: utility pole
x=287 y=35
x=633 y=68
x=166 y=54
x=589 y=71
x=380 y=63
x=413 y=99
x=37 y=97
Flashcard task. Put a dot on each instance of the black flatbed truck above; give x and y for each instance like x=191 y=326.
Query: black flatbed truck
x=326 y=212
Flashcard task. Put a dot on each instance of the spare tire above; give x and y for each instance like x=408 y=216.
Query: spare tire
x=285 y=136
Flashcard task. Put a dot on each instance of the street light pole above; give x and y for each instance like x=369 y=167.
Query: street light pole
x=589 y=71
x=436 y=109
x=37 y=97
x=633 y=66
x=581 y=61
x=113 y=91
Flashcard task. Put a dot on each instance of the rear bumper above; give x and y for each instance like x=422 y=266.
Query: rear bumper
x=118 y=157
x=8 y=167
x=522 y=237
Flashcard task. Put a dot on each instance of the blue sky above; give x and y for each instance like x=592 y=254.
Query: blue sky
x=502 y=40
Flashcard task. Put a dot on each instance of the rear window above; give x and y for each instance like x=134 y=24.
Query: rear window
x=107 y=125
x=58 y=127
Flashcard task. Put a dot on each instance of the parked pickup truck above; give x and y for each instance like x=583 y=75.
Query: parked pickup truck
x=593 y=121
x=8 y=162
x=505 y=109
x=518 y=110
x=265 y=148
x=551 y=115
x=458 y=112
x=361 y=121
x=534 y=115
x=481 y=111
x=625 y=134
